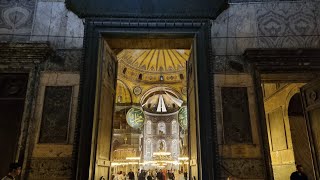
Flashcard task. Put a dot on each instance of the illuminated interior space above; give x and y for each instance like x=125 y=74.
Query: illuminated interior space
x=150 y=121
x=288 y=133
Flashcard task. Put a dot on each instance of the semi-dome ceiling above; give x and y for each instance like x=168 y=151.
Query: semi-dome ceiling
x=161 y=100
x=155 y=60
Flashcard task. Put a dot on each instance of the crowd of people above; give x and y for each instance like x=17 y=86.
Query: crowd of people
x=160 y=174
x=15 y=170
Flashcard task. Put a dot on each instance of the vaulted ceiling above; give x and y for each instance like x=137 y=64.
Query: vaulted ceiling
x=155 y=60
x=140 y=70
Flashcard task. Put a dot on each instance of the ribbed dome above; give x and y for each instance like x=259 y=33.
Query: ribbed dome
x=155 y=60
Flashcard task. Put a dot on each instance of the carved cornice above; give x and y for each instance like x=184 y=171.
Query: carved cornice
x=284 y=60
x=146 y=23
x=165 y=9
x=24 y=53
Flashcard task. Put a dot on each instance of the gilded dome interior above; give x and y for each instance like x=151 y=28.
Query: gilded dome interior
x=140 y=70
x=155 y=60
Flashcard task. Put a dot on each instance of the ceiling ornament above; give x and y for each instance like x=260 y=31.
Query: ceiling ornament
x=135 y=118
x=184 y=90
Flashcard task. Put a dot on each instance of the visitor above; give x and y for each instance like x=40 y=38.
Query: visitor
x=171 y=175
x=131 y=175
x=159 y=175
x=142 y=175
x=14 y=171
x=149 y=175
x=299 y=174
x=164 y=174
x=181 y=175
x=120 y=176
x=185 y=174
x=116 y=176
x=154 y=174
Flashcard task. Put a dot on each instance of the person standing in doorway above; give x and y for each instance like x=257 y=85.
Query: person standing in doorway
x=14 y=171
x=131 y=175
x=171 y=175
x=299 y=174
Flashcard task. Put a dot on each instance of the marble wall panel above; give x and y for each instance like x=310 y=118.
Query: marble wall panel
x=50 y=168
x=65 y=60
x=243 y=168
x=75 y=31
x=220 y=25
x=258 y=1
x=287 y=25
x=55 y=115
x=54 y=23
x=236 y=118
x=16 y=18
x=242 y=20
x=58 y=24
x=232 y=64
x=219 y=45
x=266 y=25
x=237 y=46
x=219 y=33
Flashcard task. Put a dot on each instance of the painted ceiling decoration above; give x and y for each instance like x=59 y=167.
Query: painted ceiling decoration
x=153 y=65
x=155 y=60
x=143 y=69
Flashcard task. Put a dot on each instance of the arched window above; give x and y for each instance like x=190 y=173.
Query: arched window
x=148 y=128
x=148 y=148
x=174 y=148
x=174 y=127
x=161 y=128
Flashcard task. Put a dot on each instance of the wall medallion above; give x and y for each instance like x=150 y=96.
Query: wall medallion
x=135 y=118
x=183 y=117
x=184 y=90
x=137 y=90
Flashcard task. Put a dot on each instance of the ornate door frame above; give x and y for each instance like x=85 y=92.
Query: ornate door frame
x=96 y=29
x=25 y=58
x=282 y=65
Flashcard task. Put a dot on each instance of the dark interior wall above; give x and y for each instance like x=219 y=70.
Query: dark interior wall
x=12 y=98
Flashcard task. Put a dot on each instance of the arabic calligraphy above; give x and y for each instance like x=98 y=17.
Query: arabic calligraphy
x=183 y=117
x=135 y=118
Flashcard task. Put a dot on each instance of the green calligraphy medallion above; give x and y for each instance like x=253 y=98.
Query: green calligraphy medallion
x=183 y=117
x=135 y=118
